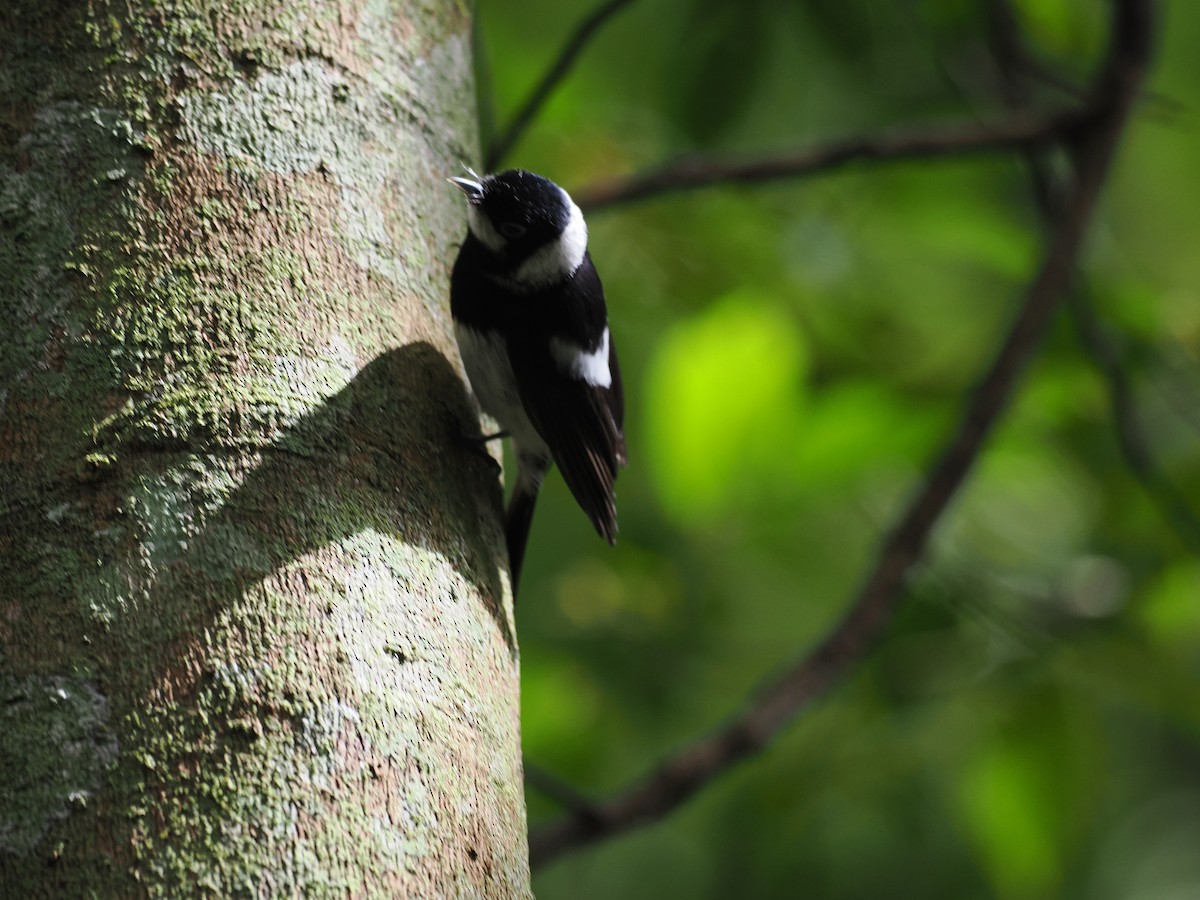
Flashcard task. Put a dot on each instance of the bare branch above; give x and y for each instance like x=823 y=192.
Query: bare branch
x=780 y=701
x=551 y=80
x=1009 y=133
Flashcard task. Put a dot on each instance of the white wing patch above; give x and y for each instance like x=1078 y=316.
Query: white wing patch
x=590 y=366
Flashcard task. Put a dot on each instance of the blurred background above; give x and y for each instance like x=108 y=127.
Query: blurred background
x=794 y=355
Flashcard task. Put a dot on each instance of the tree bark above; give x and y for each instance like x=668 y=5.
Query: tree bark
x=254 y=624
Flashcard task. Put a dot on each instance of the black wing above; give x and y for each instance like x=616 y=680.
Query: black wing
x=580 y=422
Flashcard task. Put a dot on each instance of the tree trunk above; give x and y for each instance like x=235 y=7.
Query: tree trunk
x=254 y=626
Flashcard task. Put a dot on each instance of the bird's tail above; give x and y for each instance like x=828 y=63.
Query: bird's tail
x=519 y=517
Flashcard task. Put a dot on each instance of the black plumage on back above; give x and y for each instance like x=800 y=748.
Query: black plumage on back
x=532 y=326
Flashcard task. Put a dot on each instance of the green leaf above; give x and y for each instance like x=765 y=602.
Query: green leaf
x=1005 y=797
x=722 y=401
x=1062 y=26
x=1171 y=609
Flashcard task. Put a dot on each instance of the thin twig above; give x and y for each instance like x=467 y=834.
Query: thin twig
x=1012 y=58
x=1011 y=132
x=1016 y=61
x=1126 y=422
x=559 y=790
x=498 y=150
x=1013 y=61
x=751 y=729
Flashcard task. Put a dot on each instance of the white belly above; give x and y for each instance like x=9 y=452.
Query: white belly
x=485 y=358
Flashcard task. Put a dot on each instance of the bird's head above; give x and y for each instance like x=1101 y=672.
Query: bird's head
x=528 y=223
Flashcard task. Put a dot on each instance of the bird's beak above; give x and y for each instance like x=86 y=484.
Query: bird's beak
x=469 y=186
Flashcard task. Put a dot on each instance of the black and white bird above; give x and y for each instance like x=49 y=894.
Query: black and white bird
x=532 y=328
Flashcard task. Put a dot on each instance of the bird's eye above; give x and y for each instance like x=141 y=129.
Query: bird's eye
x=512 y=230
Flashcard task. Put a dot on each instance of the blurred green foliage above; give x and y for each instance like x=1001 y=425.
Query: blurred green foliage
x=794 y=355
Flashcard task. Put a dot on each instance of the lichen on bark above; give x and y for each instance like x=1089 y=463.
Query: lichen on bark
x=233 y=500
